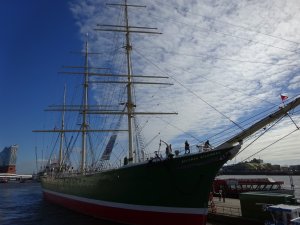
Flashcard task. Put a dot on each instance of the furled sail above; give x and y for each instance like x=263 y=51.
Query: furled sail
x=109 y=147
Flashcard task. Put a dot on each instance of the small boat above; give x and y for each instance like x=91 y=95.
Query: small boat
x=284 y=214
x=232 y=187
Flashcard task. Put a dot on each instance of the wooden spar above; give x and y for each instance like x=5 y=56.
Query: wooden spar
x=125 y=82
x=70 y=131
x=112 y=75
x=262 y=123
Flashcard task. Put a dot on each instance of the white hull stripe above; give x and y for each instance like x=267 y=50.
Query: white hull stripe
x=198 y=211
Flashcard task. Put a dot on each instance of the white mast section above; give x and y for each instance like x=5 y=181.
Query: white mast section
x=129 y=105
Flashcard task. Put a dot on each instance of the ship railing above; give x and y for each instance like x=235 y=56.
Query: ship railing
x=195 y=149
x=225 y=210
x=177 y=152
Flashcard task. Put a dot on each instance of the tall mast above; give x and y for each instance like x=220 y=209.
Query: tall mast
x=128 y=76
x=127 y=29
x=36 y=161
x=84 y=124
x=130 y=105
x=62 y=135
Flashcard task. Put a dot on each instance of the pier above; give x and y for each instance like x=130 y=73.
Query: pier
x=6 y=177
x=228 y=212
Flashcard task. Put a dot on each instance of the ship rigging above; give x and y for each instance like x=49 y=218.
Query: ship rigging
x=133 y=192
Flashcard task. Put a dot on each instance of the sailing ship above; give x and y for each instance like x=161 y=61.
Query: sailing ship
x=143 y=190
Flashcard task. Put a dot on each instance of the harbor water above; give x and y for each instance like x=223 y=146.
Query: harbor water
x=23 y=204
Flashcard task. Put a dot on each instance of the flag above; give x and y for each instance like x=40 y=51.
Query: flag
x=283 y=97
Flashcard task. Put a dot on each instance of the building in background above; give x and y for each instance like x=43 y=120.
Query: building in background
x=8 y=158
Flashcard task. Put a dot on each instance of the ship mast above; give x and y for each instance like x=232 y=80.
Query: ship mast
x=85 y=109
x=84 y=124
x=62 y=134
x=129 y=104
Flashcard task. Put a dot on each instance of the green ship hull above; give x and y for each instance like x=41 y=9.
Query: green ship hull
x=158 y=191
x=171 y=191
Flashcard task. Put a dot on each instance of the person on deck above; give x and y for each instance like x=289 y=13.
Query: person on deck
x=169 y=151
x=186 y=147
x=207 y=146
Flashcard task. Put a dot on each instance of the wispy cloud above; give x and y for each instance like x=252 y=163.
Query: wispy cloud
x=236 y=56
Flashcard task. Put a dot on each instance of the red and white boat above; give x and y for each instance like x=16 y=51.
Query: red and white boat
x=232 y=187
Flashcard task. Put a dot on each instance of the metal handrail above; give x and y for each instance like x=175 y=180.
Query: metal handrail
x=226 y=210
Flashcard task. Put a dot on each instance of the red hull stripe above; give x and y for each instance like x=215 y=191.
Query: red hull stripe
x=200 y=211
x=153 y=215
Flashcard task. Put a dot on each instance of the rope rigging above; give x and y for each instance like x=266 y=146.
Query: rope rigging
x=192 y=92
x=246 y=28
x=107 y=96
x=204 y=29
x=238 y=125
x=227 y=86
x=297 y=128
x=264 y=132
x=271 y=144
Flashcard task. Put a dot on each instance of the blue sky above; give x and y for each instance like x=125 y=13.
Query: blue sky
x=35 y=40
x=238 y=56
